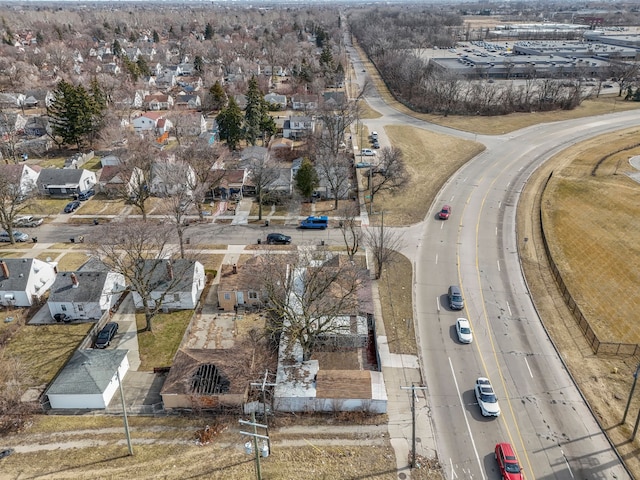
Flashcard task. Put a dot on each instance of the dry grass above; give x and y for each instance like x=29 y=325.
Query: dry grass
x=158 y=347
x=101 y=205
x=597 y=243
x=69 y=261
x=431 y=159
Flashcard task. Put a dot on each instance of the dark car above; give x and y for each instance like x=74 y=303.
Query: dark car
x=444 y=213
x=62 y=317
x=375 y=143
x=278 y=239
x=6 y=453
x=72 y=206
x=106 y=335
x=86 y=195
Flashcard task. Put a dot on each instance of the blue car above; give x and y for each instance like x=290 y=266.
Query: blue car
x=72 y=206
x=86 y=195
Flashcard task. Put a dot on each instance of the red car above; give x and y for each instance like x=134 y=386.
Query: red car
x=445 y=212
x=508 y=463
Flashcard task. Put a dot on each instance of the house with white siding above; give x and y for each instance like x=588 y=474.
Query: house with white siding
x=23 y=281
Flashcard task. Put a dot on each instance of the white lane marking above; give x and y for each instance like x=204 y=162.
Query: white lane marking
x=466 y=420
x=509 y=308
x=567 y=462
x=498 y=262
x=436 y=258
x=453 y=472
x=441 y=225
x=528 y=368
x=499 y=204
x=496 y=231
x=438 y=303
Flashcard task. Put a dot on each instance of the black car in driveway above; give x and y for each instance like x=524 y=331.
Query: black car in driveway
x=72 y=206
x=278 y=239
x=106 y=335
x=86 y=195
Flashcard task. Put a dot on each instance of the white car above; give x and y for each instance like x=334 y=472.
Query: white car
x=463 y=329
x=27 y=221
x=17 y=236
x=367 y=152
x=487 y=398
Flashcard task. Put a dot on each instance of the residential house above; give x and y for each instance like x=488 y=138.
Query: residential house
x=85 y=294
x=12 y=100
x=323 y=190
x=242 y=285
x=190 y=84
x=118 y=180
x=112 y=68
x=30 y=102
x=23 y=175
x=167 y=79
x=133 y=53
x=279 y=101
x=279 y=144
x=282 y=184
x=37 y=126
x=12 y=123
x=232 y=184
x=186 y=101
x=297 y=127
x=110 y=161
x=276 y=70
x=253 y=154
x=65 y=182
x=177 y=284
x=186 y=69
x=335 y=98
x=23 y=281
x=158 y=101
x=154 y=122
x=305 y=103
x=172 y=178
x=89 y=380
x=189 y=124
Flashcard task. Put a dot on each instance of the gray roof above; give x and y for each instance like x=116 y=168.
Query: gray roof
x=157 y=273
x=19 y=271
x=60 y=176
x=88 y=372
x=89 y=289
x=93 y=265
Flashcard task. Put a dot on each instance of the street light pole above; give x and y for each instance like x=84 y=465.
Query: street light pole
x=413 y=389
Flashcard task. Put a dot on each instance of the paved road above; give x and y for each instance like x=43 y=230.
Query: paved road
x=543 y=414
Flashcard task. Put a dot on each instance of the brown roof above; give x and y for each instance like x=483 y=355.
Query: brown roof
x=343 y=384
x=248 y=276
x=110 y=172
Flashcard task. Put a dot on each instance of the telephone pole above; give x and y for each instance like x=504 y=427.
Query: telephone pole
x=413 y=389
x=263 y=386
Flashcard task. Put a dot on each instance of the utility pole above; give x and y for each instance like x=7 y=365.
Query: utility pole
x=633 y=387
x=255 y=436
x=262 y=386
x=413 y=389
x=124 y=414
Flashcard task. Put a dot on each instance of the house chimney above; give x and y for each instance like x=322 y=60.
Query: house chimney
x=5 y=269
x=170 y=270
x=74 y=280
x=234 y=268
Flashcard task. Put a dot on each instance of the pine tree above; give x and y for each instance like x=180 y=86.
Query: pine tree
x=198 y=64
x=306 y=180
x=230 y=124
x=116 y=48
x=156 y=37
x=253 y=112
x=208 y=32
x=218 y=96
x=143 y=68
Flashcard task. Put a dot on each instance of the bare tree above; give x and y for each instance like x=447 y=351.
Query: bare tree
x=390 y=173
x=262 y=172
x=136 y=169
x=383 y=243
x=14 y=380
x=336 y=171
x=350 y=228
x=311 y=296
x=10 y=126
x=142 y=252
x=13 y=193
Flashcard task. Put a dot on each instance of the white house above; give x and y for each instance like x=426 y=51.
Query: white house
x=24 y=280
x=151 y=121
x=85 y=294
x=178 y=282
x=276 y=99
x=22 y=175
x=65 y=182
x=171 y=178
x=89 y=379
x=297 y=127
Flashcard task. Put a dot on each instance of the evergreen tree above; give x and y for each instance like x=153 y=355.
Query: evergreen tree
x=268 y=125
x=253 y=112
x=75 y=112
x=306 y=180
x=156 y=37
x=198 y=64
x=326 y=57
x=143 y=68
x=230 y=124
x=116 y=48
x=208 y=32
x=218 y=96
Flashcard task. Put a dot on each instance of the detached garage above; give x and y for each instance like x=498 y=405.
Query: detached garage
x=89 y=380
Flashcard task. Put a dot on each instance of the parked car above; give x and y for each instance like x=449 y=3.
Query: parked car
x=363 y=165
x=106 y=335
x=278 y=239
x=86 y=195
x=508 y=462
x=374 y=135
x=463 y=329
x=17 y=236
x=318 y=223
x=487 y=398
x=375 y=144
x=367 y=152
x=445 y=212
x=62 y=317
x=72 y=206
x=6 y=452
x=456 y=302
x=27 y=221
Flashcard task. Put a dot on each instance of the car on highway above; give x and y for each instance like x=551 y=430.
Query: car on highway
x=17 y=236
x=463 y=329
x=278 y=239
x=106 y=335
x=508 y=462
x=27 y=221
x=486 y=397
x=445 y=212
x=72 y=206
x=456 y=302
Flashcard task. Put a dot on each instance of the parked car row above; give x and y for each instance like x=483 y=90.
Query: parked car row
x=17 y=236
